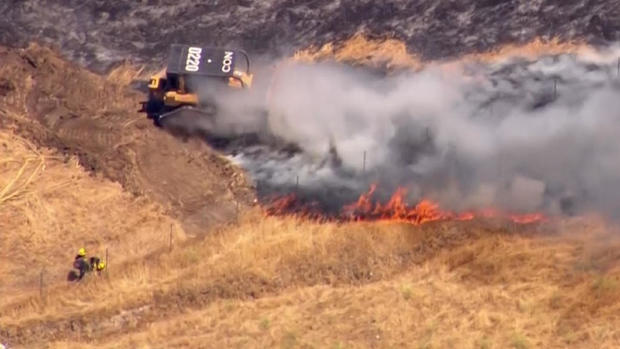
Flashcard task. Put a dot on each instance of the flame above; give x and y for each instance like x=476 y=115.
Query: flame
x=396 y=209
x=527 y=218
x=290 y=205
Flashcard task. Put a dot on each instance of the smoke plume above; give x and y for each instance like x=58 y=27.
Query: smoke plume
x=520 y=135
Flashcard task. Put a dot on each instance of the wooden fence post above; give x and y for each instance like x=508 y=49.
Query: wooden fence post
x=170 y=239
x=41 y=295
x=107 y=264
x=364 y=163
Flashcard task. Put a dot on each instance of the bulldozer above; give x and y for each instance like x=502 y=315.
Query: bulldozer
x=189 y=84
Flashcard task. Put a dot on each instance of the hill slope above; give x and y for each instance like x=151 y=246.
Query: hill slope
x=55 y=104
x=79 y=167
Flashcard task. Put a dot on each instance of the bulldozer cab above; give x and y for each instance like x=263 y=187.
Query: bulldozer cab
x=191 y=62
x=191 y=73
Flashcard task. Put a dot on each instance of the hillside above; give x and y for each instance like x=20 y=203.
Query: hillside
x=289 y=283
x=55 y=104
x=266 y=281
x=198 y=258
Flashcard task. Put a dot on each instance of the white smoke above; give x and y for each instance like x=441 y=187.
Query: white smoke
x=525 y=135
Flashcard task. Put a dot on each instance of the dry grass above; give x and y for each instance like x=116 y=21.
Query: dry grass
x=50 y=206
x=531 y=50
x=272 y=282
x=520 y=302
x=67 y=86
x=124 y=73
x=441 y=312
x=393 y=53
x=238 y=262
x=361 y=50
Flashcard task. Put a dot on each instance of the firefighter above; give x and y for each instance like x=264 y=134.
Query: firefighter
x=94 y=261
x=81 y=253
x=80 y=263
x=96 y=264
x=100 y=267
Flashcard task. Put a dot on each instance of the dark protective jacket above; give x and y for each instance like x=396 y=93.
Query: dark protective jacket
x=81 y=264
x=94 y=261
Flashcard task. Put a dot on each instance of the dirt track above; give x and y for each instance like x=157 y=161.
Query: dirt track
x=96 y=118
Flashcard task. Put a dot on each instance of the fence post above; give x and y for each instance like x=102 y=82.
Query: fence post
x=107 y=264
x=238 y=210
x=41 y=295
x=170 y=239
x=364 y=163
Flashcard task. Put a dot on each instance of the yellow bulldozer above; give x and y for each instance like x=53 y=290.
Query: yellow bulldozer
x=192 y=78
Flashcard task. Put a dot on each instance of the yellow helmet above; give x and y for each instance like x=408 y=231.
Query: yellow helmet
x=82 y=252
x=101 y=266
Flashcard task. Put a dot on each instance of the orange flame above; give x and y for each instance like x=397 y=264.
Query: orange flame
x=395 y=209
x=289 y=205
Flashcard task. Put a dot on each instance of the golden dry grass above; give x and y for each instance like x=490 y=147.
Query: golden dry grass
x=50 y=206
x=239 y=257
x=361 y=50
x=273 y=282
x=123 y=74
x=393 y=53
x=531 y=50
